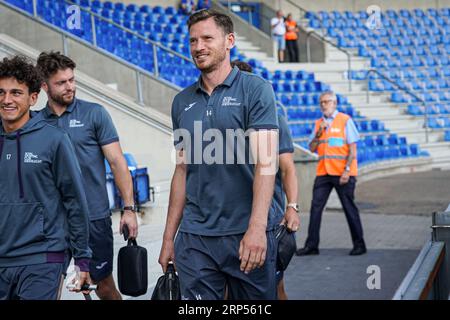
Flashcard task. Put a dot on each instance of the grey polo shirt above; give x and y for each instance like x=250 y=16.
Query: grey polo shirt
x=285 y=146
x=89 y=127
x=219 y=189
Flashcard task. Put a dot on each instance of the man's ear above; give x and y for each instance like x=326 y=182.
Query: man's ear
x=231 y=40
x=44 y=86
x=33 y=98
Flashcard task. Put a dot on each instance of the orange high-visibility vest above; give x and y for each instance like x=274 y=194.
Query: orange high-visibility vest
x=291 y=35
x=333 y=149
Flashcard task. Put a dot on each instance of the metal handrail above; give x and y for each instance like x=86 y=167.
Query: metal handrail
x=139 y=71
x=401 y=88
x=126 y=108
x=323 y=39
x=110 y=21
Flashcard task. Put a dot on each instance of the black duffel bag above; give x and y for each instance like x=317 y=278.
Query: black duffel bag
x=168 y=286
x=132 y=269
x=286 y=246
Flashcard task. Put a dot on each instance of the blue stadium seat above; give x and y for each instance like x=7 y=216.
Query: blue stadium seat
x=145 y=9
x=447 y=135
x=158 y=10
x=119 y=6
x=414 y=149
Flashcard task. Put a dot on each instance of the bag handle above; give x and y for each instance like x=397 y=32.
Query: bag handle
x=132 y=242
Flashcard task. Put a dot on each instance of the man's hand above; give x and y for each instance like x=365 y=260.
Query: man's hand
x=323 y=126
x=84 y=278
x=129 y=218
x=291 y=219
x=252 y=249
x=166 y=254
x=344 y=178
x=81 y=278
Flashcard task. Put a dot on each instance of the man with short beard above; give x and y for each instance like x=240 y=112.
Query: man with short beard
x=95 y=138
x=222 y=209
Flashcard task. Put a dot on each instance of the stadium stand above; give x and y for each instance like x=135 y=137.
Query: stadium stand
x=412 y=49
x=121 y=29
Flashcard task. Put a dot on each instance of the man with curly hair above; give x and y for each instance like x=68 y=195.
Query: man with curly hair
x=42 y=199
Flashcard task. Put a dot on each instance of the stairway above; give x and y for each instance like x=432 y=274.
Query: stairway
x=334 y=73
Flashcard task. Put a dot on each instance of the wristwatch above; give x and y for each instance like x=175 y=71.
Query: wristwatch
x=133 y=208
x=294 y=206
x=347 y=168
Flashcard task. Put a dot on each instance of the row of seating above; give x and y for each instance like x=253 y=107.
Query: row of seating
x=391 y=31
x=437 y=109
x=395 y=42
x=438 y=123
x=413 y=85
x=404 y=73
x=367 y=155
x=441 y=96
x=306 y=113
x=300 y=130
x=117 y=6
x=297 y=86
x=404 y=51
x=386 y=22
x=415 y=61
x=288 y=75
x=306 y=99
x=335 y=15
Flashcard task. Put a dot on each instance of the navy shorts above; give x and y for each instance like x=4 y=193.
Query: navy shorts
x=101 y=242
x=206 y=265
x=34 y=282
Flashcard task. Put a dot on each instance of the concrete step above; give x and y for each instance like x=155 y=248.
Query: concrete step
x=437 y=149
x=363 y=106
x=399 y=116
x=312 y=67
x=343 y=86
x=356 y=97
x=334 y=53
x=342 y=58
x=333 y=50
x=245 y=45
x=386 y=113
x=261 y=56
x=402 y=124
x=418 y=135
x=442 y=162
x=329 y=76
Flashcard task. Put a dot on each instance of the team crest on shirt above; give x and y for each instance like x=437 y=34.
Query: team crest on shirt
x=30 y=157
x=230 y=101
x=73 y=123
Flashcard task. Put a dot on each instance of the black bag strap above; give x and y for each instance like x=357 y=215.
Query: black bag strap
x=132 y=242
x=170 y=268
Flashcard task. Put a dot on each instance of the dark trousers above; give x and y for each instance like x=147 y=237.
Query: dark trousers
x=292 y=49
x=208 y=264
x=322 y=189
